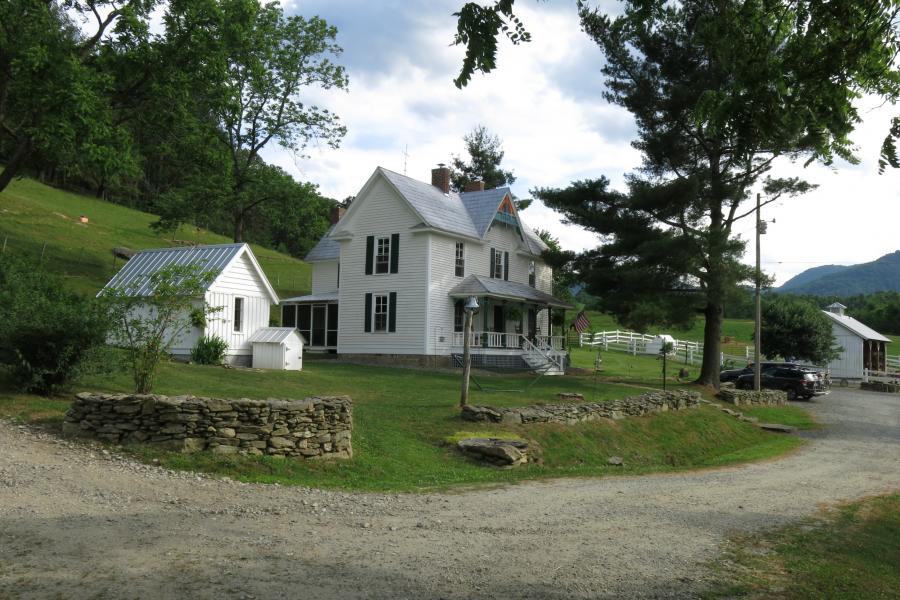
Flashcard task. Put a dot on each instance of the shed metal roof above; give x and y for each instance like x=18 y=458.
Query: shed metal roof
x=135 y=275
x=854 y=326
x=477 y=285
x=273 y=335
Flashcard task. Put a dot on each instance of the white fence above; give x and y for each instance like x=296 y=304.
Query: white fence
x=636 y=343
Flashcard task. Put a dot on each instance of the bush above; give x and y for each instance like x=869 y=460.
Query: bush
x=210 y=350
x=48 y=335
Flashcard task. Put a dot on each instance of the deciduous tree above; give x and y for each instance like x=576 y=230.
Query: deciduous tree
x=797 y=330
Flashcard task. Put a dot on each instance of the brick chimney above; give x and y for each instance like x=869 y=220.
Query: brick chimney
x=474 y=186
x=440 y=178
x=337 y=211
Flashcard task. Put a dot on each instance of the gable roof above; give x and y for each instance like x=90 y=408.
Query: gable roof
x=468 y=214
x=477 y=285
x=135 y=275
x=854 y=326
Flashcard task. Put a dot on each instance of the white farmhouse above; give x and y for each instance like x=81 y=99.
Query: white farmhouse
x=861 y=347
x=240 y=289
x=399 y=265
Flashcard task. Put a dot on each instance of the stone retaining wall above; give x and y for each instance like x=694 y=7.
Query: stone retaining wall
x=310 y=428
x=634 y=406
x=752 y=397
x=880 y=386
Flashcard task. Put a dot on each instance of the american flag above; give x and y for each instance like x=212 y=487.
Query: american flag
x=581 y=322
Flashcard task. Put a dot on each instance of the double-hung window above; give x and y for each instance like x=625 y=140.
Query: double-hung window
x=499 y=264
x=459 y=316
x=382 y=254
x=380 y=312
x=460 y=259
x=531 y=275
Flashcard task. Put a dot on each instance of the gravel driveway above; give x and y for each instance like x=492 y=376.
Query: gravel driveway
x=81 y=523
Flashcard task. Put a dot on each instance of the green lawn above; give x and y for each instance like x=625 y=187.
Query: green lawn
x=847 y=553
x=32 y=215
x=786 y=415
x=403 y=417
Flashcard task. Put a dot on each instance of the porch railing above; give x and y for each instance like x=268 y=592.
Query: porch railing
x=492 y=339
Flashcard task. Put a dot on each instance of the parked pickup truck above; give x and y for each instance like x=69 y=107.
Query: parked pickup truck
x=797 y=382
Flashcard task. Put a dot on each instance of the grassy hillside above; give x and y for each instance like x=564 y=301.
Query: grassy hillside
x=32 y=214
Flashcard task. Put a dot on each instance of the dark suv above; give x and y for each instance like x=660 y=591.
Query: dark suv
x=733 y=374
x=796 y=382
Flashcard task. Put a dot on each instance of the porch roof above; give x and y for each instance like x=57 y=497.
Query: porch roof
x=320 y=297
x=477 y=285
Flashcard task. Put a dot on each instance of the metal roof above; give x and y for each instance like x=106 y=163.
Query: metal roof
x=273 y=335
x=326 y=249
x=437 y=209
x=134 y=277
x=477 y=285
x=854 y=326
x=482 y=207
x=320 y=297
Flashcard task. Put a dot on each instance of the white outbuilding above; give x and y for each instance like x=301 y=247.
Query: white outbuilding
x=655 y=345
x=278 y=348
x=861 y=347
x=240 y=293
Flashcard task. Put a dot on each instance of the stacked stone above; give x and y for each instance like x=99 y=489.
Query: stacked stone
x=752 y=397
x=635 y=406
x=880 y=386
x=310 y=428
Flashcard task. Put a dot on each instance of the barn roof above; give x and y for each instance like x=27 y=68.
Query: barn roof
x=855 y=327
x=273 y=335
x=135 y=275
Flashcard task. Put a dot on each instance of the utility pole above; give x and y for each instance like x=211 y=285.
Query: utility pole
x=757 y=366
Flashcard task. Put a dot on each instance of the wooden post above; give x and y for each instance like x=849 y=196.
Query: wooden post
x=467 y=359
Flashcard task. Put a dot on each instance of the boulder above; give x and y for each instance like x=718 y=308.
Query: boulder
x=507 y=453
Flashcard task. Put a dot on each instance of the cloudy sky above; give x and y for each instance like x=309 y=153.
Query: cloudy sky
x=544 y=101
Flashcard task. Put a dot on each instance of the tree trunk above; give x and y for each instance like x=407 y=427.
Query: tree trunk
x=15 y=163
x=712 y=334
x=238 y=227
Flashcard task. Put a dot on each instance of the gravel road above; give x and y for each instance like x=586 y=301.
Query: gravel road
x=79 y=522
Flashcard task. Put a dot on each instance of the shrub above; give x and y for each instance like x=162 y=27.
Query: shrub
x=48 y=335
x=210 y=350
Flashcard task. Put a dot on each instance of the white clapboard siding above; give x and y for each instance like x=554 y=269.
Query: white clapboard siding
x=442 y=279
x=850 y=362
x=221 y=323
x=382 y=213
x=324 y=276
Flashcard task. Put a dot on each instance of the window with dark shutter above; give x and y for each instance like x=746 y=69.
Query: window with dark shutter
x=493 y=262
x=506 y=266
x=367 y=314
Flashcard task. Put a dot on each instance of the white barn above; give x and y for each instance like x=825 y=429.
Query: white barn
x=861 y=347
x=241 y=289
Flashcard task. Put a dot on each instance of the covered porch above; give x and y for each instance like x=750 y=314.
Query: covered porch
x=316 y=317
x=514 y=321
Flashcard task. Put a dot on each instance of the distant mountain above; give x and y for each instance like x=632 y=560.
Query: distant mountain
x=881 y=275
x=809 y=275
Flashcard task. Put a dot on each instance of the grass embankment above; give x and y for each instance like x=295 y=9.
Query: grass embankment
x=403 y=417
x=849 y=552
x=32 y=214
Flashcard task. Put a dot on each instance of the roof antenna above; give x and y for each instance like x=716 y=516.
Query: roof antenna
x=405 y=157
